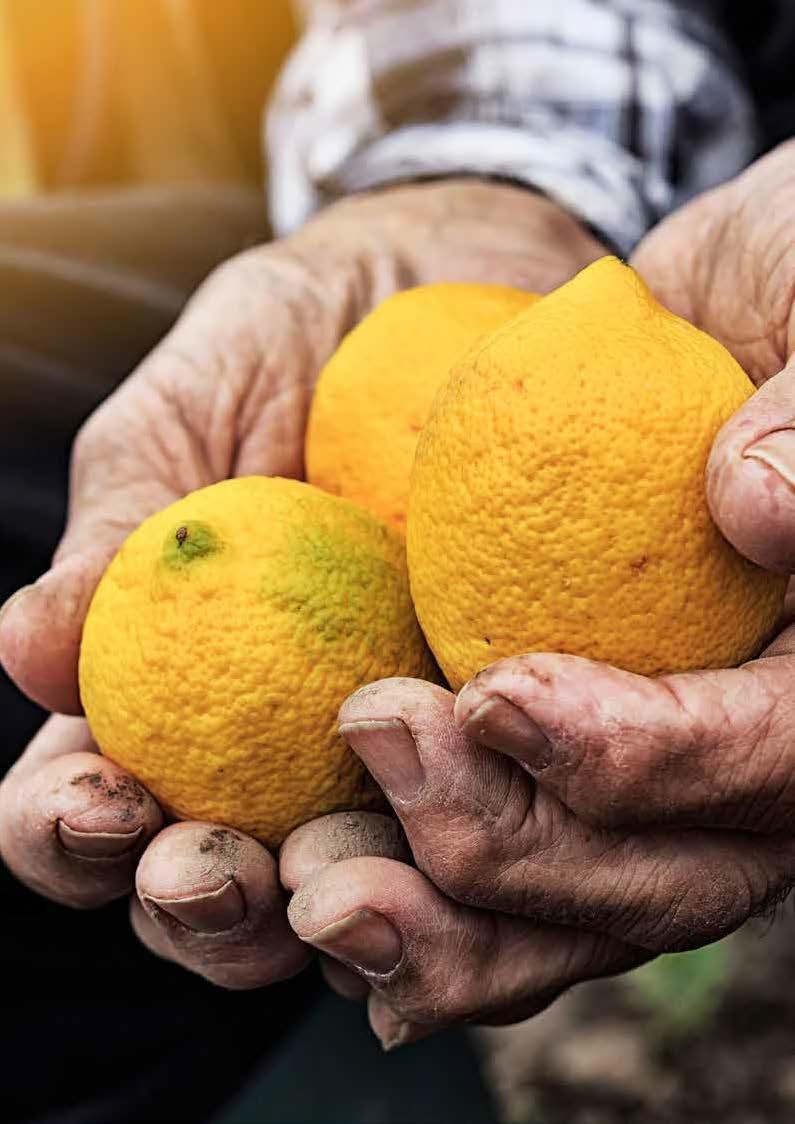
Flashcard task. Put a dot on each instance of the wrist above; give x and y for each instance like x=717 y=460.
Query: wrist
x=462 y=229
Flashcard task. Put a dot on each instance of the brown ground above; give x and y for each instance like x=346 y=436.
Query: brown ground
x=598 y=1058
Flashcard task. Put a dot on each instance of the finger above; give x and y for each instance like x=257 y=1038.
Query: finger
x=390 y=1027
x=488 y=836
x=73 y=824
x=433 y=961
x=332 y=838
x=214 y=896
x=751 y=476
x=341 y=835
x=392 y=1030
x=343 y=980
x=706 y=748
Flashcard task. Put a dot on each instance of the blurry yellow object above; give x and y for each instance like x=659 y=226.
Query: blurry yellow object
x=17 y=175
x=375 y=393
x=177 y=126
x=136 y=91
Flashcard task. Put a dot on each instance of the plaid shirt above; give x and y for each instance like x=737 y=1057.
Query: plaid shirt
x=618 y=109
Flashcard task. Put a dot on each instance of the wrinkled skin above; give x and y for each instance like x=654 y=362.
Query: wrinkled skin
x=225 y=394
x=618 y=816
x=645 y=815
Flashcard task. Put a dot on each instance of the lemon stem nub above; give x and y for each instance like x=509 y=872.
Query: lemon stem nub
x=190 y=542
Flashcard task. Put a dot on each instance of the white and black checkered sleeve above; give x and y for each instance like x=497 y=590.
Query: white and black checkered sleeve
x=618 y=109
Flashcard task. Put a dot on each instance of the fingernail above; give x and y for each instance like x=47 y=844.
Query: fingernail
x=501 y=725
x=777 y=451
x=398 y=1036
x=390 y=753
x=14 y=599
x=365 y=940
x=97 y=844
x=215 y=912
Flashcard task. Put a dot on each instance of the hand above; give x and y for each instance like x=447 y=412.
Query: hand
x=726 y=262
x=643 y=815
x=504 y=911
x=225 y=394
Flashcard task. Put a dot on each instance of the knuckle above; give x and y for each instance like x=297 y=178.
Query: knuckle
x=648 y=910
x=480 y=843
x=245 y=265
x=439 y=985
x=552 y=864
x=754 y=780
x=89 y=438
x=633 y=764
x=460 y=866
x=652 y=914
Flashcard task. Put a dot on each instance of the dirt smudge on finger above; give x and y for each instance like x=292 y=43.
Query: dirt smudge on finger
x=123 y=789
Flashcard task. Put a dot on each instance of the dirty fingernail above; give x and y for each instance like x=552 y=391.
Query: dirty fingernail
x=215 y=912
x=389 y=751
x=97 y=844
x=499 y=724
x=777 y=451
x=364 y=939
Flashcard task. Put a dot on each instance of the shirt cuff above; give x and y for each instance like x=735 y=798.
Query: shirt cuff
x=593 y=178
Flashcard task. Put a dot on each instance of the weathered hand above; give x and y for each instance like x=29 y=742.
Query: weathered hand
x=643 y=815
x=477 y=931
x=225 y=394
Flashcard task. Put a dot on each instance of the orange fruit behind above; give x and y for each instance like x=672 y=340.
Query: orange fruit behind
x=375 y=393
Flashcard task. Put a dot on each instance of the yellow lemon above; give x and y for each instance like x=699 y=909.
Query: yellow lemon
x=374 y=395
x=558 y=498
x=223 y=638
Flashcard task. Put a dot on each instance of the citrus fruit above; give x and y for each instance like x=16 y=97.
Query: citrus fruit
x=558 y=498
x=223 y=638
x=373 y=396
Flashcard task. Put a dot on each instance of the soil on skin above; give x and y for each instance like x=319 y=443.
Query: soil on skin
x=594 y=1057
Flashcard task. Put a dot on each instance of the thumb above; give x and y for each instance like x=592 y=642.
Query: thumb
x=116 y=482
x=751 y=475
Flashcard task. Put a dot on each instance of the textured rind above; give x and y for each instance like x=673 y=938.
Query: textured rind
x=217 y=682
x=373 y=396
x=558 y=498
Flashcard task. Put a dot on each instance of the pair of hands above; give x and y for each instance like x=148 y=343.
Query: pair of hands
x=619 y=816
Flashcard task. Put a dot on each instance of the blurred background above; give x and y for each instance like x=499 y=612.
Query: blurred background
x=107 y=107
